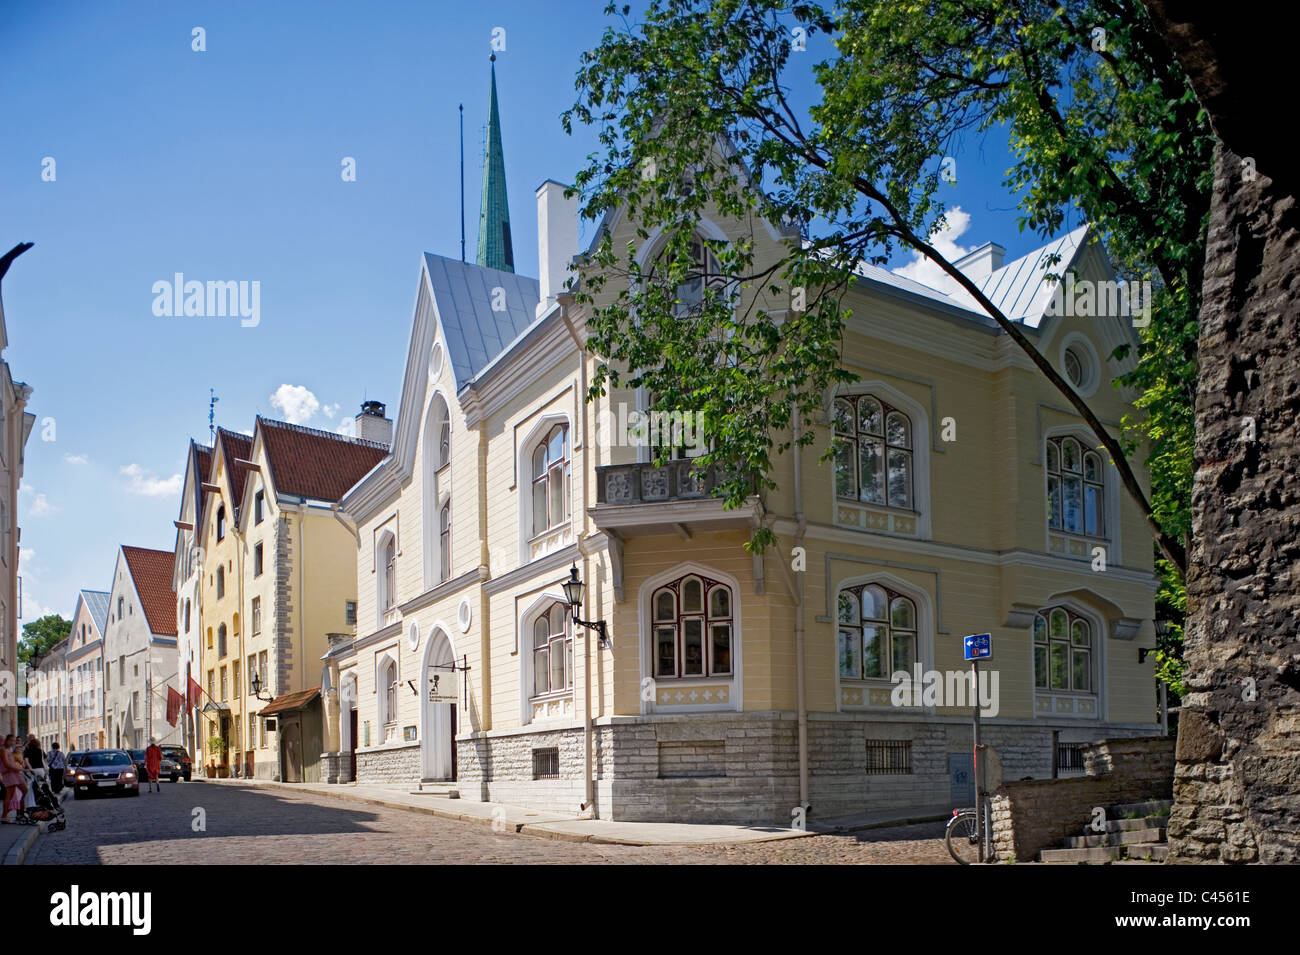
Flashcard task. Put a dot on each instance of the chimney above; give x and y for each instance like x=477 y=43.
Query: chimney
x=557 y=240
x=372 y=425
x=981 y=262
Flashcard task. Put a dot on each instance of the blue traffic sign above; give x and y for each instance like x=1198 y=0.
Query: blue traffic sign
x=978 y=646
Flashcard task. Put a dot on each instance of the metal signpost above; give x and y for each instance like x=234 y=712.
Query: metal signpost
x=977 y=647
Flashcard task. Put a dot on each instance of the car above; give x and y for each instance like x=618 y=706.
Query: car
x=181 y=757
x=101 y=771
x=167 y=769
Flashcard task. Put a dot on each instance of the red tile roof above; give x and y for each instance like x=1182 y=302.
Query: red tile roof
x=236 y=447
x=315 y=464
x=152 y=572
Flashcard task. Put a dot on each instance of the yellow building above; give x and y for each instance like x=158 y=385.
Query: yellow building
x=969 y=499
x=278 y=580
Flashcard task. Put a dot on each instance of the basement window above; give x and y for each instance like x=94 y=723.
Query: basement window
x=546 y=763
x=889 y=757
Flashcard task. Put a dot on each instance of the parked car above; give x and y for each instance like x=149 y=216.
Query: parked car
x=181 y=757
x=102 y=771
x=167 y=769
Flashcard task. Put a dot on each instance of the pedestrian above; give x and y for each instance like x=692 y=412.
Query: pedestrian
x=153 y=763
x=58 y=763
x=11 y=774
x=35 y=756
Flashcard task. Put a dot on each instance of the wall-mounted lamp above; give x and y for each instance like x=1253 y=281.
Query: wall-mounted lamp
x=256 y=683
x=574 y=591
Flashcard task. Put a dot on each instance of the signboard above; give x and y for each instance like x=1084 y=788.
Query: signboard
x=978 y=646
x=442 y=687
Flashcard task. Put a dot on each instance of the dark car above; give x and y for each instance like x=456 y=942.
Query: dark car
x=102 y=771
x=167 y=769
x=181 y=757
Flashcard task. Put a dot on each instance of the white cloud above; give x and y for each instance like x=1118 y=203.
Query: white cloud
x=148 y=486
x=76 y=459
x=330 y=410
x=296 y=403
x=347 y=427
x=41 y=506
x=944 y=240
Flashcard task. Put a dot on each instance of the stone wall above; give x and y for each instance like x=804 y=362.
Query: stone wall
x=1037 y=814
x=389 y=764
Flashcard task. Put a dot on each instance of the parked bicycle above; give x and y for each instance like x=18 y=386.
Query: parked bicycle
x=961 y=836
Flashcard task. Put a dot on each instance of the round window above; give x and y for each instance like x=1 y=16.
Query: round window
x=413 y=636
x=435 y=362
x=1076 y=369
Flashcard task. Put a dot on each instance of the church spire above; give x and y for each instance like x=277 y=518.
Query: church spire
x=494 y=248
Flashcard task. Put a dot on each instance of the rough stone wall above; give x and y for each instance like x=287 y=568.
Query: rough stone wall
x=1037 y=814
x=1236 y=795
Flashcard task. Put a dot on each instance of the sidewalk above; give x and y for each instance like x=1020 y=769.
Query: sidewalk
x=16 y=841
x=535 y=822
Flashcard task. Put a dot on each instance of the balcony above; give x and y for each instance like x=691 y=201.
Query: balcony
x=675 y=498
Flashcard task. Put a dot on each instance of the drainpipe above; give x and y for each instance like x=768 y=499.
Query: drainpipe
x=589 y=780
x=801 y=526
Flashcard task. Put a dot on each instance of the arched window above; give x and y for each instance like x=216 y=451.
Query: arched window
x=444 y=540
x=550 y=478
x=221 y=587
x=1062 y=651
x=703 y=276
x=693 y=627
x=552 y=652
x=437 y=485
x=221 y=640
x=187 y=617
x=1076 y=488
x=389 y=573
x=873 y=461
x=221 y=522
x=388 y=697
x=877 y=632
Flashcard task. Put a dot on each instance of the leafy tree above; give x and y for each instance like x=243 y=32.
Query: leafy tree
x=1100 y=119
x=40 y=635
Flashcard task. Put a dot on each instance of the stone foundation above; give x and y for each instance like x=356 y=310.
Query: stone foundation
x=743 y=767
x=389 y=764
x=335 y=768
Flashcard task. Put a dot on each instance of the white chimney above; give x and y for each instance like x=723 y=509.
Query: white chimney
x=373 y=425
x=981 y=262
x=557 y=240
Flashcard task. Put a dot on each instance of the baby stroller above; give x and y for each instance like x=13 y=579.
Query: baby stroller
x=47 y=806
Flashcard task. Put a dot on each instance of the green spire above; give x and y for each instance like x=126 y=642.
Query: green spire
x=494 y=248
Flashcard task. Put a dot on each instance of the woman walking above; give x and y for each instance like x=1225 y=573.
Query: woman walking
x=58 y=763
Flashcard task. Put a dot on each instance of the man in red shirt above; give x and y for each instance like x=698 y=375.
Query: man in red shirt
x=153 y=763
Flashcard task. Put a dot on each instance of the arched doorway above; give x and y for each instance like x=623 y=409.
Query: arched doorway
x=437 y=719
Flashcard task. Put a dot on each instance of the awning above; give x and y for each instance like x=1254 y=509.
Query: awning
x=289 y=702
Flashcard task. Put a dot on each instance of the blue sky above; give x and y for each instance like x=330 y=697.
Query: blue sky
x=225 y=165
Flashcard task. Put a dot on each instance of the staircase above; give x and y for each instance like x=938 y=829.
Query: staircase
x=1133 y=832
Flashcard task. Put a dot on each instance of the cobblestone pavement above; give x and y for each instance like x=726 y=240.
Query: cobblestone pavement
x=263 y=826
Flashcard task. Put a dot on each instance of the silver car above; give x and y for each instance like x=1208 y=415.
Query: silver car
x=103 y=771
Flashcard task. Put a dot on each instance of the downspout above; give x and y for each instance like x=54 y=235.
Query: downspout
x=796 y=588
x=589 y=780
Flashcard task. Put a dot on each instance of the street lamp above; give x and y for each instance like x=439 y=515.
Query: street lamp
x=256 y=683
x=574 y=591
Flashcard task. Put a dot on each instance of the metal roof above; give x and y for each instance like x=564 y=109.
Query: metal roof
x=464 y=295
x=97 y=604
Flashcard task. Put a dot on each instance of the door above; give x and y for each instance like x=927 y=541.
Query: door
x=961 y=779
x=352 y=743
x=438 y=719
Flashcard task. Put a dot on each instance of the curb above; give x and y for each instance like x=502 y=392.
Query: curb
x=18 y=851
x=883 y=824
x=534 y=829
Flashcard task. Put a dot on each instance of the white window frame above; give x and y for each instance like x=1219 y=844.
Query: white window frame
x=1100 y=638
x=528 y=702
x=436 y=484
x=1111 y=498
x=533 y=546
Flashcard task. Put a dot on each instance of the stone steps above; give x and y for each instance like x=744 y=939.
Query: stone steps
x=1134 y=832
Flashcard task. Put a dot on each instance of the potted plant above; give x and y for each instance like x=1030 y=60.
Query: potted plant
x=216 y=750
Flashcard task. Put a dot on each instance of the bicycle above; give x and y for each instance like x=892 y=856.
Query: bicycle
x=961 y=836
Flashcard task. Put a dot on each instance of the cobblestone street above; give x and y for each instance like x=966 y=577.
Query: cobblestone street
x=262 y=826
